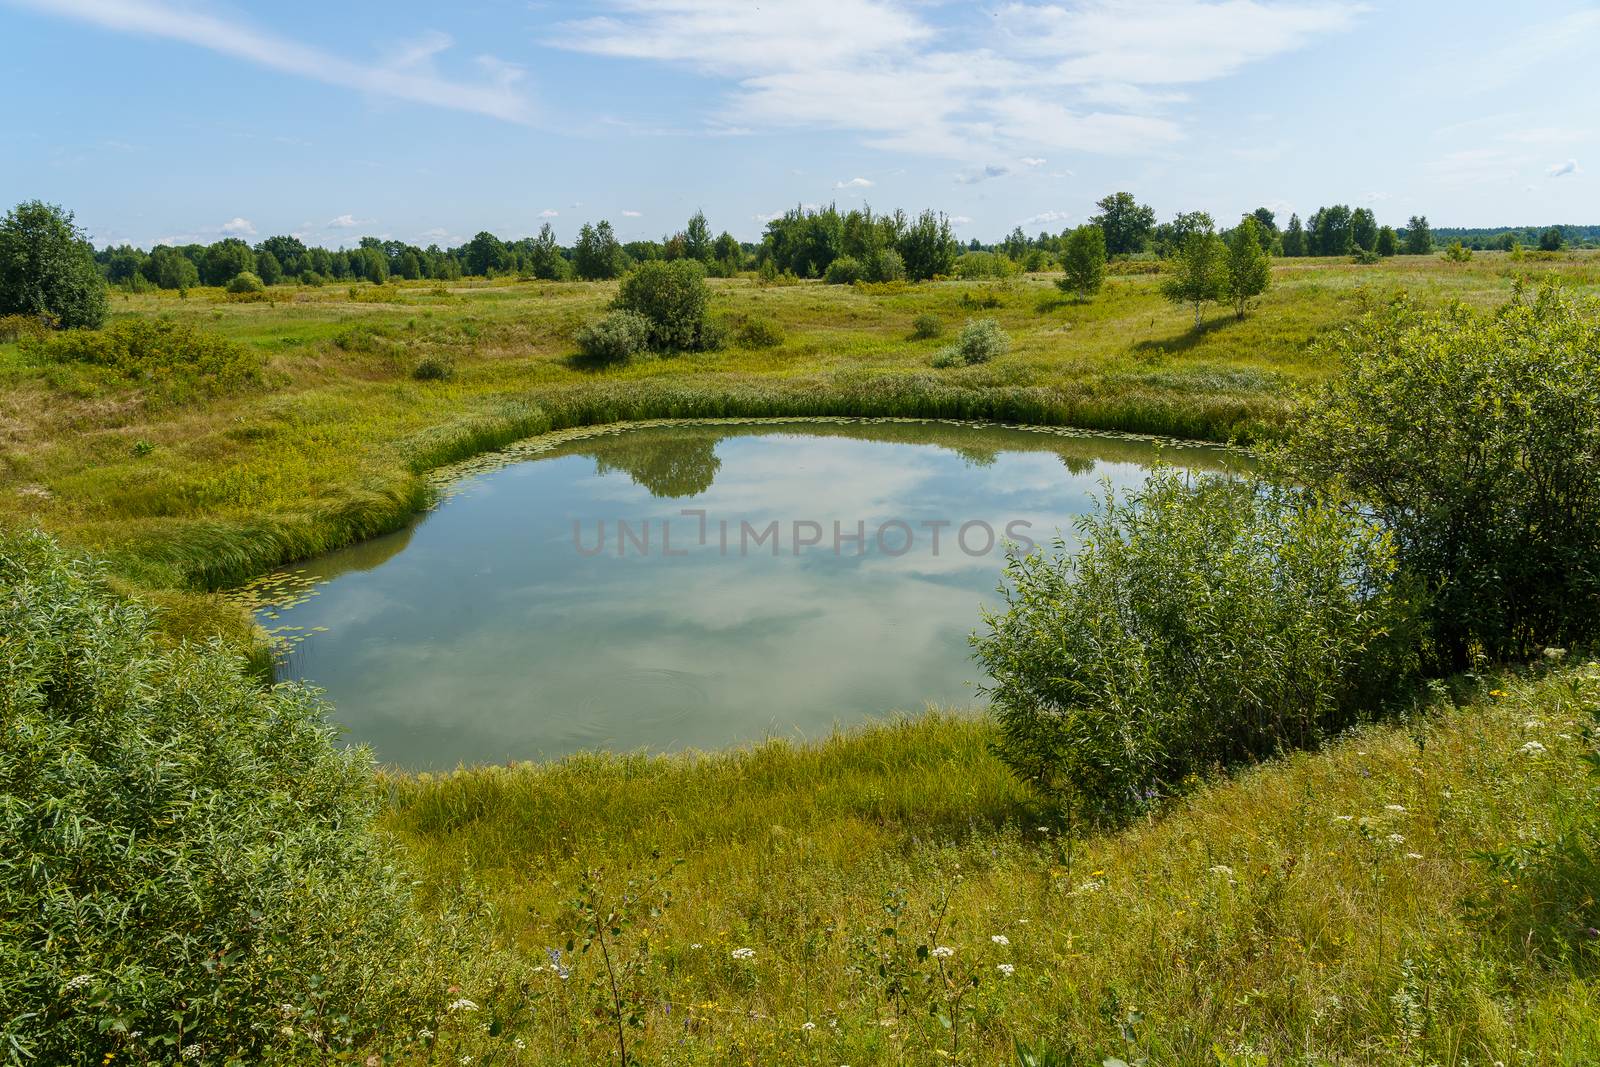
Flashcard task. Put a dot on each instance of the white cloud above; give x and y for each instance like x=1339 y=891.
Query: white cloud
x=1561 y=170
x=854 y=183
x=960 y=220
x=632 y=214
x=549 y=213
x=408 y=74
x=237 y=227
x=1032 y=161
x=1046 y=216
x=983 y=174
x=1035 y=76
x=1377 y=198
x=1165 y=42
x=347 y=222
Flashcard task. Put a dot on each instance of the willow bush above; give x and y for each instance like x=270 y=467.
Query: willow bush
x=188 y=868
x=1196 y=625
x=1475 y=440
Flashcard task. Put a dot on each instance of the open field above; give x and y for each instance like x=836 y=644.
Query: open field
x=330 y=449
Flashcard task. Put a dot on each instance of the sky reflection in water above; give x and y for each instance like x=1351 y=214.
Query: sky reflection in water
x=481 y=634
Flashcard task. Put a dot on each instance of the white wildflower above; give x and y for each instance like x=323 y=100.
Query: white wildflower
x=1395 y=807
x=1532 y=724
x=695 y=945
x=1000 y=939
x=519 y=1044
x=1093 y=885
x=943 y=952
x=425 y=1034
x=1532 y=748
x=1413 y=855
x=1223 y=869
x=1343 y=818
x=462 y=1005
x=194 y=1052
x=1555 y=653
x=78 y=982
x=744 y=953
x=808 y=1026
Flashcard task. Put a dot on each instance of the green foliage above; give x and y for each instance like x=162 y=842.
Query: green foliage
x=486 y=254
x=980 y=341
x=225 y=259
x=673 y=296
x=1199 y=275
x=23 y=328
x=1125 y=222
x=927 y=247
x=846 y=270
x=190 y=871
x=1419 y=236
x=433 y=369
x=883 y=265
x=616 y=338
x=1552 y=240
x=1197 y=624
x=1246 y=270
x=171 y=269
x=926 y=326
x=544 y=259
x=1294 y=238
x=597 y=255
x=1388 y=242
x=1363 y=230
x=1457 y=252
x=759 y=331
x=1475 y=439
x=972 y=266
x=170 y=360
x=47 y=268
x=269 y=269
x=1084 y=261
x=245 y=282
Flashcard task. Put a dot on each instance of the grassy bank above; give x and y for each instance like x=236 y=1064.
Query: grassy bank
x=331 y=447
x=1329 y=908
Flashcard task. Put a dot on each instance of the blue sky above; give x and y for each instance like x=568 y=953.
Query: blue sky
x=184 y=120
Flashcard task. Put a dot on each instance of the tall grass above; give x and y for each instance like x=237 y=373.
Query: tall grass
x=1326 y=908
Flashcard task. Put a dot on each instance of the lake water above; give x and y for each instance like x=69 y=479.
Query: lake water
x=675 y=614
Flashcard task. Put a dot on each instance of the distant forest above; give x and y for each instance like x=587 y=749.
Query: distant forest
x=805 y=242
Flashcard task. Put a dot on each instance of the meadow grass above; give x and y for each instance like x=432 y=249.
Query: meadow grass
x=1324 y=908
x=332 y=448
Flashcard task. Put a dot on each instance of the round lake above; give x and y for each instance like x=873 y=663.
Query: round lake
x=689 y=585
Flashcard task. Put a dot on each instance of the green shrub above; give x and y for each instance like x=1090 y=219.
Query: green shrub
x=673 y=297
x=1365 y=257
x=927 y=326
x=980 y=341
x=884 y=265
x=758 y=331
x=1196 y=625
x=1475 y=439
x=433 y=369
x=24 y=328
x=189 y=870
x=1457 y=252
x=616 y=338
x=170 y=360
x=245 y=283
x=312 y=279
x=846 y=270
x=971 y=266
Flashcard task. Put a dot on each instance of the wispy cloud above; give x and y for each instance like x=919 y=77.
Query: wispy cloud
x=549 y=213
x=408 y=74
x=854 y=183
x=237 y=227
x=1093 y=75
x=983 y=174
x=347 y=222
x=632 y=214
x=1562 y=170
x=1046 y=216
